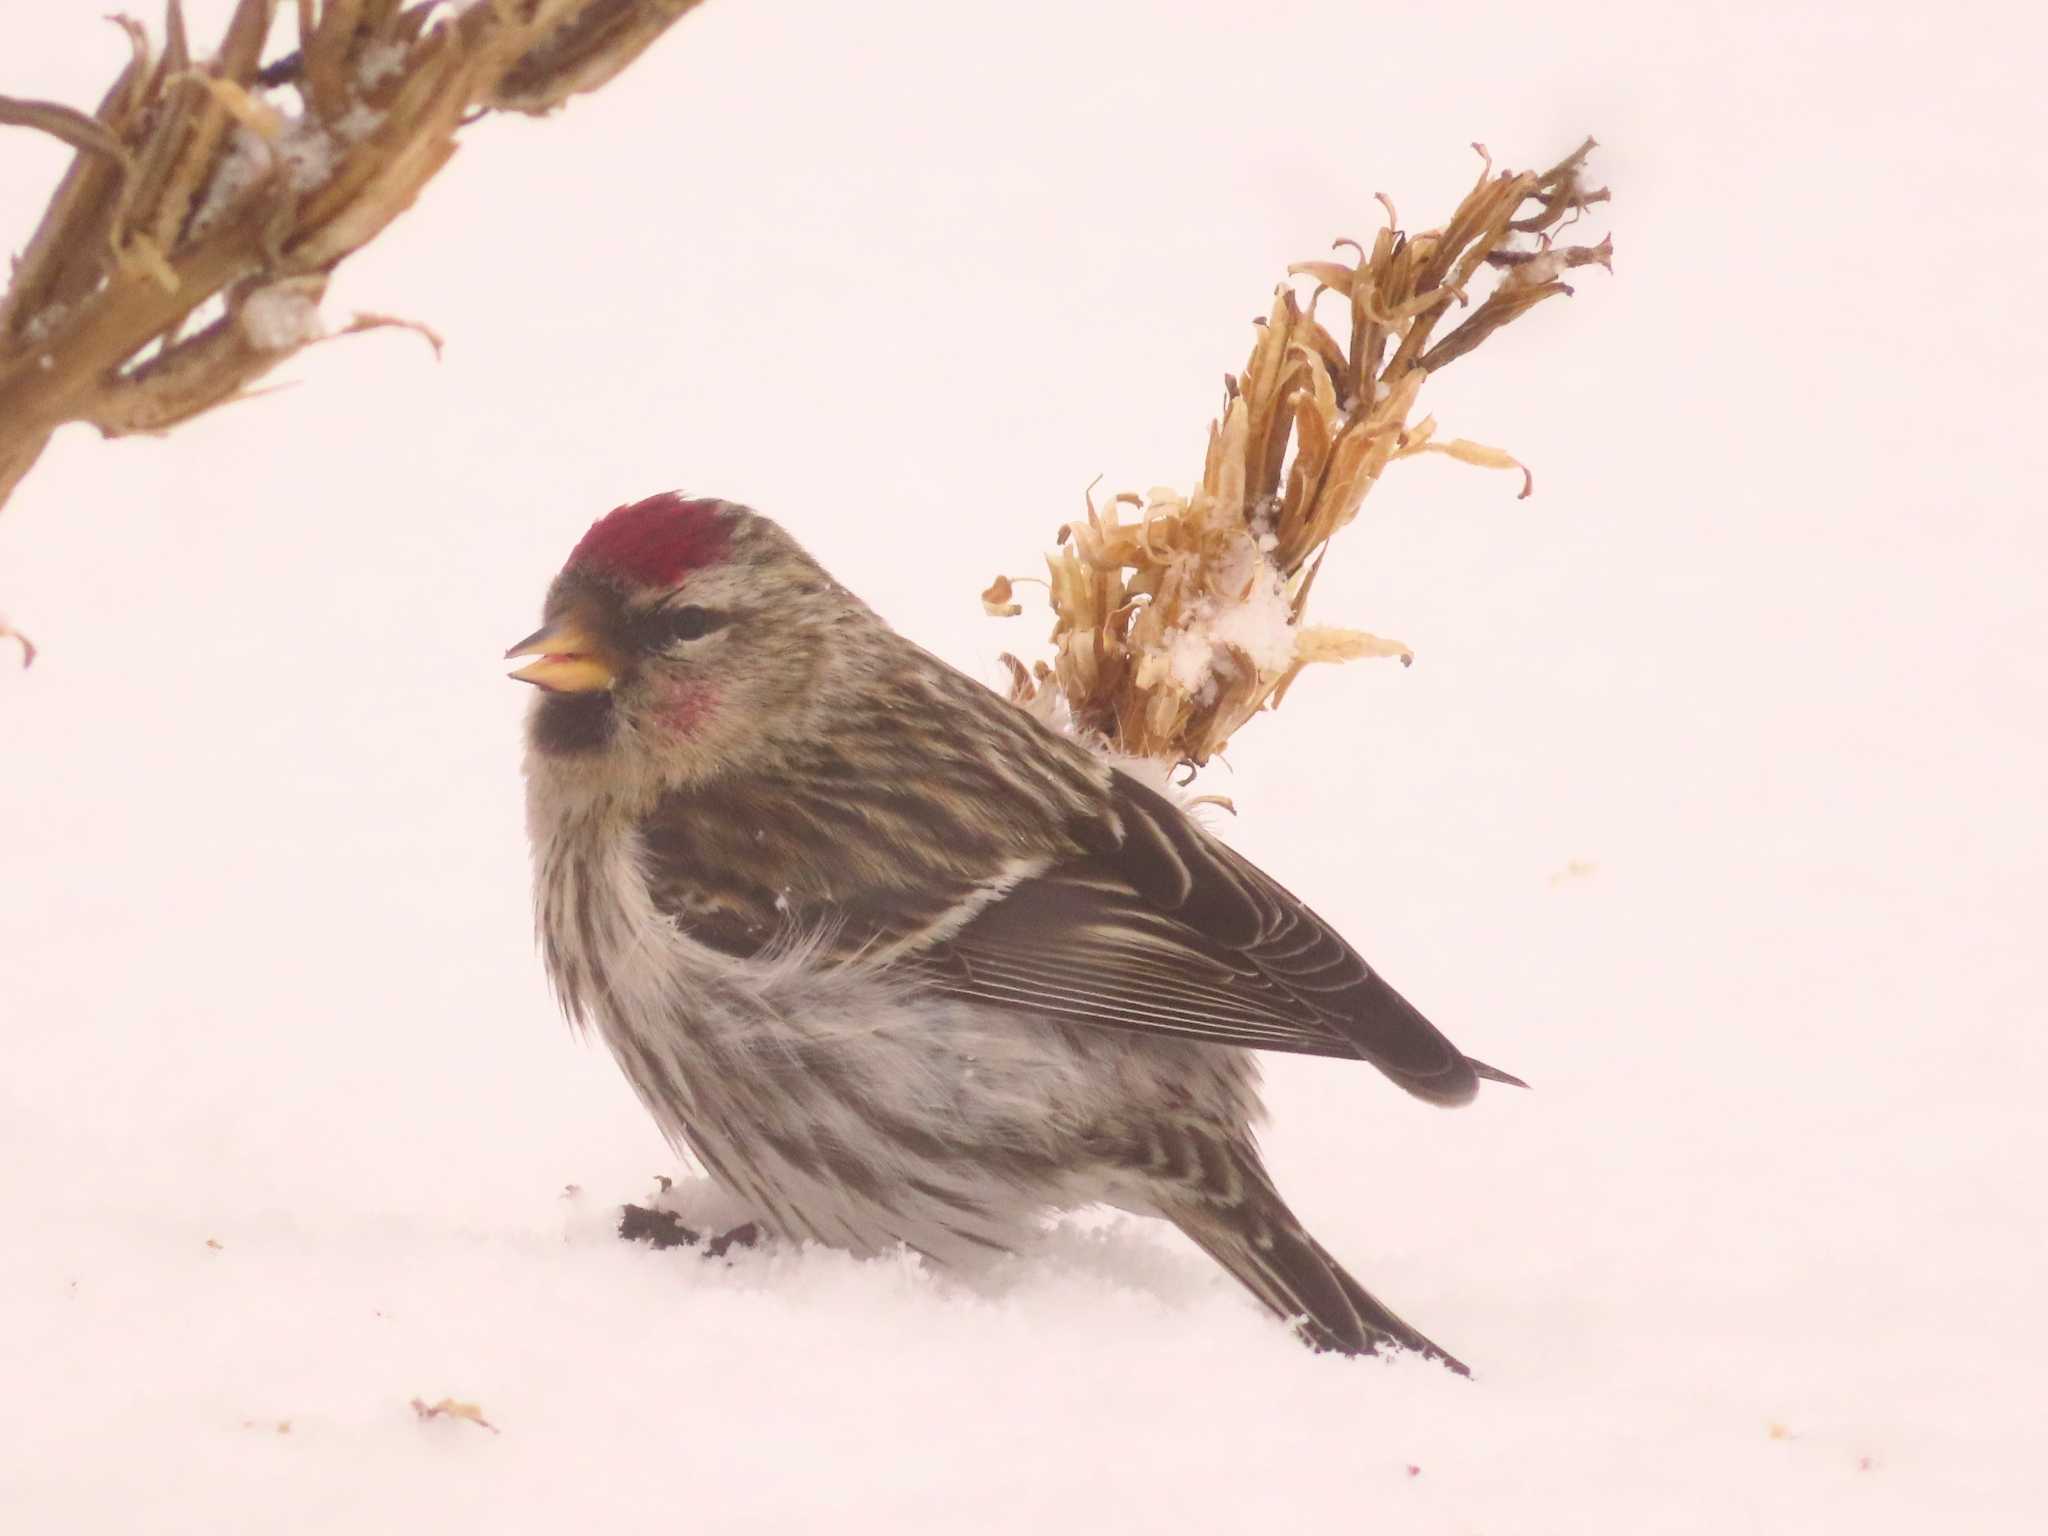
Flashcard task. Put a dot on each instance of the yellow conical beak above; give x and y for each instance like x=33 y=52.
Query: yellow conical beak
x=571 y=659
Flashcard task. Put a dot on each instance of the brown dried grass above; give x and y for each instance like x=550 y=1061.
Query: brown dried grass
x=190 y=184
x=1175 y=625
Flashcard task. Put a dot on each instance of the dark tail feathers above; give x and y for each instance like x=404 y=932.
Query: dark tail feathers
x=1494 y=1074
x=1259 y=1240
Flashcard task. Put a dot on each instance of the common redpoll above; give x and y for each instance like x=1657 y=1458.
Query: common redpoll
x=893 y=960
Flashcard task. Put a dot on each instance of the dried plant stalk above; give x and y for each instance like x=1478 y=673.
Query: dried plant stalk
x=193 y=182
x=1175 y=625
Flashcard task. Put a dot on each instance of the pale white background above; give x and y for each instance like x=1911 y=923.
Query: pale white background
x=1765 y=650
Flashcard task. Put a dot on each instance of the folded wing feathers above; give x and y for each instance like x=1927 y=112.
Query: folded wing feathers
x=1143 y=921
x=1311 y=985
x=1221 y=1013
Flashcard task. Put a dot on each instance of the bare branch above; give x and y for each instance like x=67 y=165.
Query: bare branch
x=201 y=181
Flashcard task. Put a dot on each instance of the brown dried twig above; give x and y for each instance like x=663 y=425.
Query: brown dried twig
x=451 y=1408
x=197 y=180
x=1173 y=627
x=28 y=646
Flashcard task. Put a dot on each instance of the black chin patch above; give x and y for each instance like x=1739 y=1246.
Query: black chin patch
x=570 y=724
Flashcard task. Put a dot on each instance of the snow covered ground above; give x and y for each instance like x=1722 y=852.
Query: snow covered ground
x=1712 y=804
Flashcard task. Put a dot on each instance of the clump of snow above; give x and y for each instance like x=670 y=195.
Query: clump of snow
x=1538 y=267
x=1190 y=656
x=244 y=164
x=303 y=151
x=1260 y=626
x=280 y=317
x=307 y=151
x=378 y=62
x=247 y=161
x=357 y=124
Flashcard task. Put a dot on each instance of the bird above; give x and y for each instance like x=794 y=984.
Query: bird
x=898 y=964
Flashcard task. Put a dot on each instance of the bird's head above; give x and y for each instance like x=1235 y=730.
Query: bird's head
x=681 y=635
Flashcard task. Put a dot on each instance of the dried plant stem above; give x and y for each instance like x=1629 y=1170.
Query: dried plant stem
x=1172 y=628
x=192 y=182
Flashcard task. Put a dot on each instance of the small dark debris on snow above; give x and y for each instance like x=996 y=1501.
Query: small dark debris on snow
x=658 y=1229
x=663 y=1229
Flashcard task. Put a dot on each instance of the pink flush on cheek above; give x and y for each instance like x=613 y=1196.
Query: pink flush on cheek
x=656 y=542
x=683 y=705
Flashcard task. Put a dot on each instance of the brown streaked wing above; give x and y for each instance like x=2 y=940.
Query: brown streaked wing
x=1138 y=919
x=1167 y=930
x=840 y=853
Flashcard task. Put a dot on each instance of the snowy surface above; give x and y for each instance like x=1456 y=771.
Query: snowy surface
x=1712 y=803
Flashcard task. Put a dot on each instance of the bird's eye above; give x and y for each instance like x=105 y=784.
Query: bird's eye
x=686 y=623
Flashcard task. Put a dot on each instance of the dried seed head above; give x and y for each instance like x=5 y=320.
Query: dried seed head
x=1174 y=626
